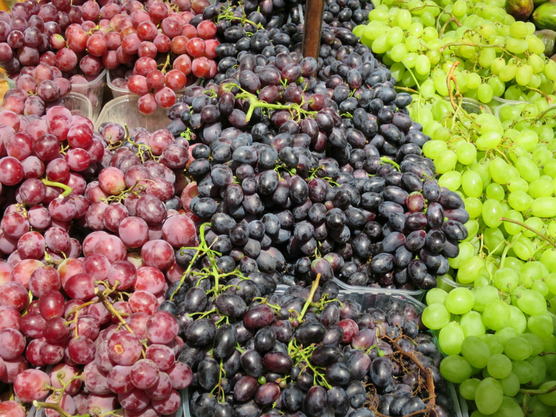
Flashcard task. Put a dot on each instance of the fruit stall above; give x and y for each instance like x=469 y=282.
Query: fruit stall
x=297 y=208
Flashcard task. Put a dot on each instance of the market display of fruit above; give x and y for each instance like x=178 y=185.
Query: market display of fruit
x=268 y=251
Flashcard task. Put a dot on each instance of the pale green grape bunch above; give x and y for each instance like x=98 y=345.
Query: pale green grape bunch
x=496 y=56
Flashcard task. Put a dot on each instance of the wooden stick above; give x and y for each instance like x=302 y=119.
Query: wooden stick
x=312 y=28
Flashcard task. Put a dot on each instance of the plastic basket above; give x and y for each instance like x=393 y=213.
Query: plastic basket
x=91 y=91
x=116 y=91
x=472 y=106
x=94 y=91
x=123 y=110
x=447 y=284
x=78 y=104
x=418 y=295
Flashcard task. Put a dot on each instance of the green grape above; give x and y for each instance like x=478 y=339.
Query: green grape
x=445 y=161
x=468 y=387
x=518 y=322
x=550 y=398
x=380 y=44
x=549 y=344
x=536 y=408
x=528 y=139
x=523 y=74
x=440 y=85
x=472 y=324
x=450 y=338
x=544 y=207
x=496 y=315
x=495 y=192
x=473 y=80
x=527 y=169
x=494 y=344
x=474 y=207
x=397 y=52
x=506 y=333
x=433 y=148
x=505 y=279
x=485 y=93
x=487 y=56
x=412 y=43
x=536 y=45
x=512 y=228
x=517 y=349
x=416 y=29
x=450 y=180
x=548 y=259
x=516 y=46
x=422 y=64
x=509 y=408
x=535 y=341
x=551 y=282
x=519 y=200
x=442 y=133
x=472 y=227
x=532 y=303
x=484 y=296
x=498 y=64
x=455 y=369
x=476 y=352
x=498 y=170
x=523 y=370
x=472 y=183
x=550 y=168
x=498 y=86
x=507 y=73
x=489 y=396
x=540 y=325
x=466 y=153
x=459 y=301
x=492 y=211
x=518 y=30
x=539 y=369
x=477 y=413
x=395 y=36
x=523 y=248
x=436 y=296
x=466 y=251
x=488 y=140
x=541 y=188
x=494 y=241
x=536 y=224
x=403 y=19
x=435 y=316
x=510 y=384
x=499 y=366
x=470 y=269
x=513 y=262
x=429 y=34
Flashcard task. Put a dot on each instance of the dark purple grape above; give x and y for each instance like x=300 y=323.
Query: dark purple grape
x=258 y=317
x=338 y=374
x=267 y=394
x=225 y=341
x=231 y=305
x=208 y=373
x=431 y=190
x=326 y=355
x=245 y=388
x=278 y=362
x=417 y=270
x=200 y=333
x=292 y=398
x=435 y=216
x=251 y=363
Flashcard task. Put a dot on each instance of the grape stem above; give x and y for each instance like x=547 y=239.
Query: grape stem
x=67 y=189
x=449 y=78
x=543 y=237
x=310 y=297
x=537 y=391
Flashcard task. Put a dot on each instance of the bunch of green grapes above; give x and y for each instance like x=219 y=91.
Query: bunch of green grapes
x=505 y=171
x=497 y=346
x=493 y=55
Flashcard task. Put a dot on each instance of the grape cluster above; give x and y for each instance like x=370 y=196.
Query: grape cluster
x=497 y=56
x=299 y=350
x=290 y=157
x=71 y=218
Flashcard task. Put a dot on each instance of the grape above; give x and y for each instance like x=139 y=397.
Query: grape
x=489 y=396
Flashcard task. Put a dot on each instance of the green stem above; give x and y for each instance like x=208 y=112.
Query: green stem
x=310 y=298
x=67 y=189
x=538 y=391
x=543 y=237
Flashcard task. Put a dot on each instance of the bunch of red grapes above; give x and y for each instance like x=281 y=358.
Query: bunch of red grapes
x=77 y=300
x=168 y=61
x=154 y=39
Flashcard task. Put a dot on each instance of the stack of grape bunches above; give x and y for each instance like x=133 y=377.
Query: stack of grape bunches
x=484 y=92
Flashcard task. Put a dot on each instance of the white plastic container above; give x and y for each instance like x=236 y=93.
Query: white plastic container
x=473 y=106
x=116 y=91
x=355 y=289
x=92 y=91
x=123 y=110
